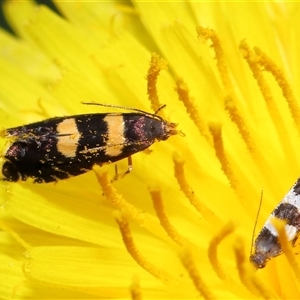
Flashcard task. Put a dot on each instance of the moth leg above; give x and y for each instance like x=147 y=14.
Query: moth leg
x=122 y=175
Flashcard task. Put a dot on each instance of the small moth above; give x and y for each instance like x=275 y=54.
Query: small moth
x=61 y=147
x=266 y=245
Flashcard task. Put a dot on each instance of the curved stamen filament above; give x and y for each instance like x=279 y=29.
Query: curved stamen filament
x=287 y=91
x=213 y=247
x=137 y=255
x=189 y=103
x=157 y=64
x=205 y=212
x=273 y=111
x=144 y=220
x=189 y=264
x=164 y=221
x=216 y=132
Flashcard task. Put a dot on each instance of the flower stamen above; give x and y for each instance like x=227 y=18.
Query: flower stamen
x=257 y=156
x=216 y=132
x=287 y=91
x=189 y=193
x=163 y=219
x=213 y=247
x=235 y=115
x=189 y=264
x=157 y=64
x=189 y=103
x=209 y=34
x=253 y=63
x=117 y=201
x=136 y=254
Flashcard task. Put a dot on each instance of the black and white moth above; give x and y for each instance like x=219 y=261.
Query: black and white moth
x=62 y=147
x=267 y=245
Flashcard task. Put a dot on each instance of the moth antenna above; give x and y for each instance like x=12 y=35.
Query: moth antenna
x=160 y=108
x=128 y=108
x=258 y=211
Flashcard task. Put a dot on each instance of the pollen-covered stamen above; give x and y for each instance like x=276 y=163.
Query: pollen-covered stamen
x=230 y=105
x=189 y=103
x=280 y=226
x=238 y=119
x=254 y=65
x=216 y=132
x=189 y=264
x=144 y=219
x=187 y=190
x=254 y=151
x=116 y=200
x=137 y=255
x=156 y=65
x=163 y=219
x=213 y=247
x=279 y=76
x=209 y=34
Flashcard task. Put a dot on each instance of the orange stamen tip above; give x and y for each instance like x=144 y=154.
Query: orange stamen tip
x=205 y=33
x=157 y=63
x=215 y=128
x=178 y=159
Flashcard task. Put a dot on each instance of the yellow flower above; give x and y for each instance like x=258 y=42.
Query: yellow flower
x=180 y=225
